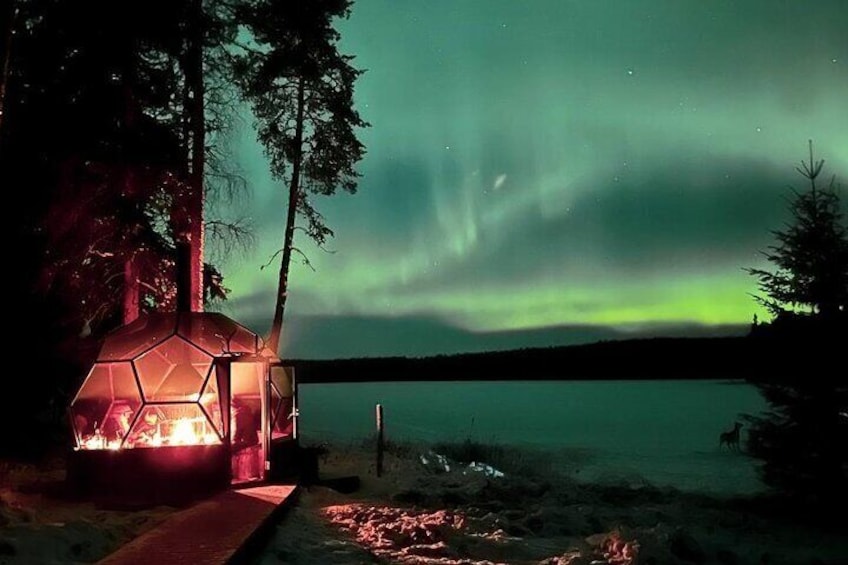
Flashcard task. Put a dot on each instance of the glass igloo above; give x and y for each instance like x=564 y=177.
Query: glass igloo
x=156 y=383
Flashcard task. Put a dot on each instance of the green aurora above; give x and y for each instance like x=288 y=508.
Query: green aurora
x=554 y=171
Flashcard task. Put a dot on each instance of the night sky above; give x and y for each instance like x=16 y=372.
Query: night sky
x=553 y=172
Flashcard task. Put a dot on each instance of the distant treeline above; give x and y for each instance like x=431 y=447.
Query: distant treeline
x=670 y=358
x=659 y=358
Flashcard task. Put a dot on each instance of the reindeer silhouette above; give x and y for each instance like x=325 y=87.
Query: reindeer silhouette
x=731 y=438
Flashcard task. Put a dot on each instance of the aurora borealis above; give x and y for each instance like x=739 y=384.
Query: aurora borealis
x=554 y=171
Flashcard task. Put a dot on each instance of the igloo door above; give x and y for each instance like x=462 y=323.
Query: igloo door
x=248 y=420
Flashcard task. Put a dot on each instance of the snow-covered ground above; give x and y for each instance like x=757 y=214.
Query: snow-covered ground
x=419 y=513
x=41 y=524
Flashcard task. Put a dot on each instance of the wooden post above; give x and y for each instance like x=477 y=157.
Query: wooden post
x=379 y=440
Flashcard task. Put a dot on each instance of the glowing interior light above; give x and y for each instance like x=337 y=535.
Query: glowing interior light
x=161 y=432
x=99 y=442
x=183 y=433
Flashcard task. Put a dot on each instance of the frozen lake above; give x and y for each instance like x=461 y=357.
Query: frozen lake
x=665 y=432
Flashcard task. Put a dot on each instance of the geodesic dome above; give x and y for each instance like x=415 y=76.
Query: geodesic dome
x=155 y=382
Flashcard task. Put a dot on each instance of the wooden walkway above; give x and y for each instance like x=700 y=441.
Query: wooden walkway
x=222 y=529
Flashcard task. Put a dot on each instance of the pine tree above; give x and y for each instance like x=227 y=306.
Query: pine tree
x=301 y=89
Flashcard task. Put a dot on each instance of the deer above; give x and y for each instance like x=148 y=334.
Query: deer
x=731 y=438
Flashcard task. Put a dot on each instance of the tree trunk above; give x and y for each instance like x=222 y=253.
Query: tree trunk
x=198 y=155
x=179 y=209
x=187 y=220
x=8 y=27
x=131 y=275
x=294 y=196
x=129 y=188
x=131 y=293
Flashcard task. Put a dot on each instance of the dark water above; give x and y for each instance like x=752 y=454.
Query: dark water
x=665 y=432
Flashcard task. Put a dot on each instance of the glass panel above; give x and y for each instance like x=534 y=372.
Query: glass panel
x=247 y=417
x=246 y=384
x=129 y=341
x=247 y=378
x=246 y=421
x=243 y=340
x=216 y=334
x=276 y=400
x=172 y=424
x=183 y=382
x=283 y=422
x=282 y=379
x=152 y=368
x=211 y=402
x=173 y=371
x=105 y=406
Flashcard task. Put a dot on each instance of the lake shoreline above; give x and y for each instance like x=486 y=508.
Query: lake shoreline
x=665 y=431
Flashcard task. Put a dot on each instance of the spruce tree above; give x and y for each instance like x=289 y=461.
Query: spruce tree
x=802 y=439
x=811 y=256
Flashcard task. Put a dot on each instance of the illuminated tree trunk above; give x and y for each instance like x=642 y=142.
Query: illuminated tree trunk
x=188 y=222
x=129 y=190
x=294 y=195
x=198 y=150
x=179 y=211
x=131 y=274
x=131 y=292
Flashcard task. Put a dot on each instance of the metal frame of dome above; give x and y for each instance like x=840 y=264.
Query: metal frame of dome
x=152 y=329
x=162 y=367
x=210 y=335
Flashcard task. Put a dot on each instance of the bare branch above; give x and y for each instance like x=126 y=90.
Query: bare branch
x=305 y=259
x=271 y=260
x=228 y=236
